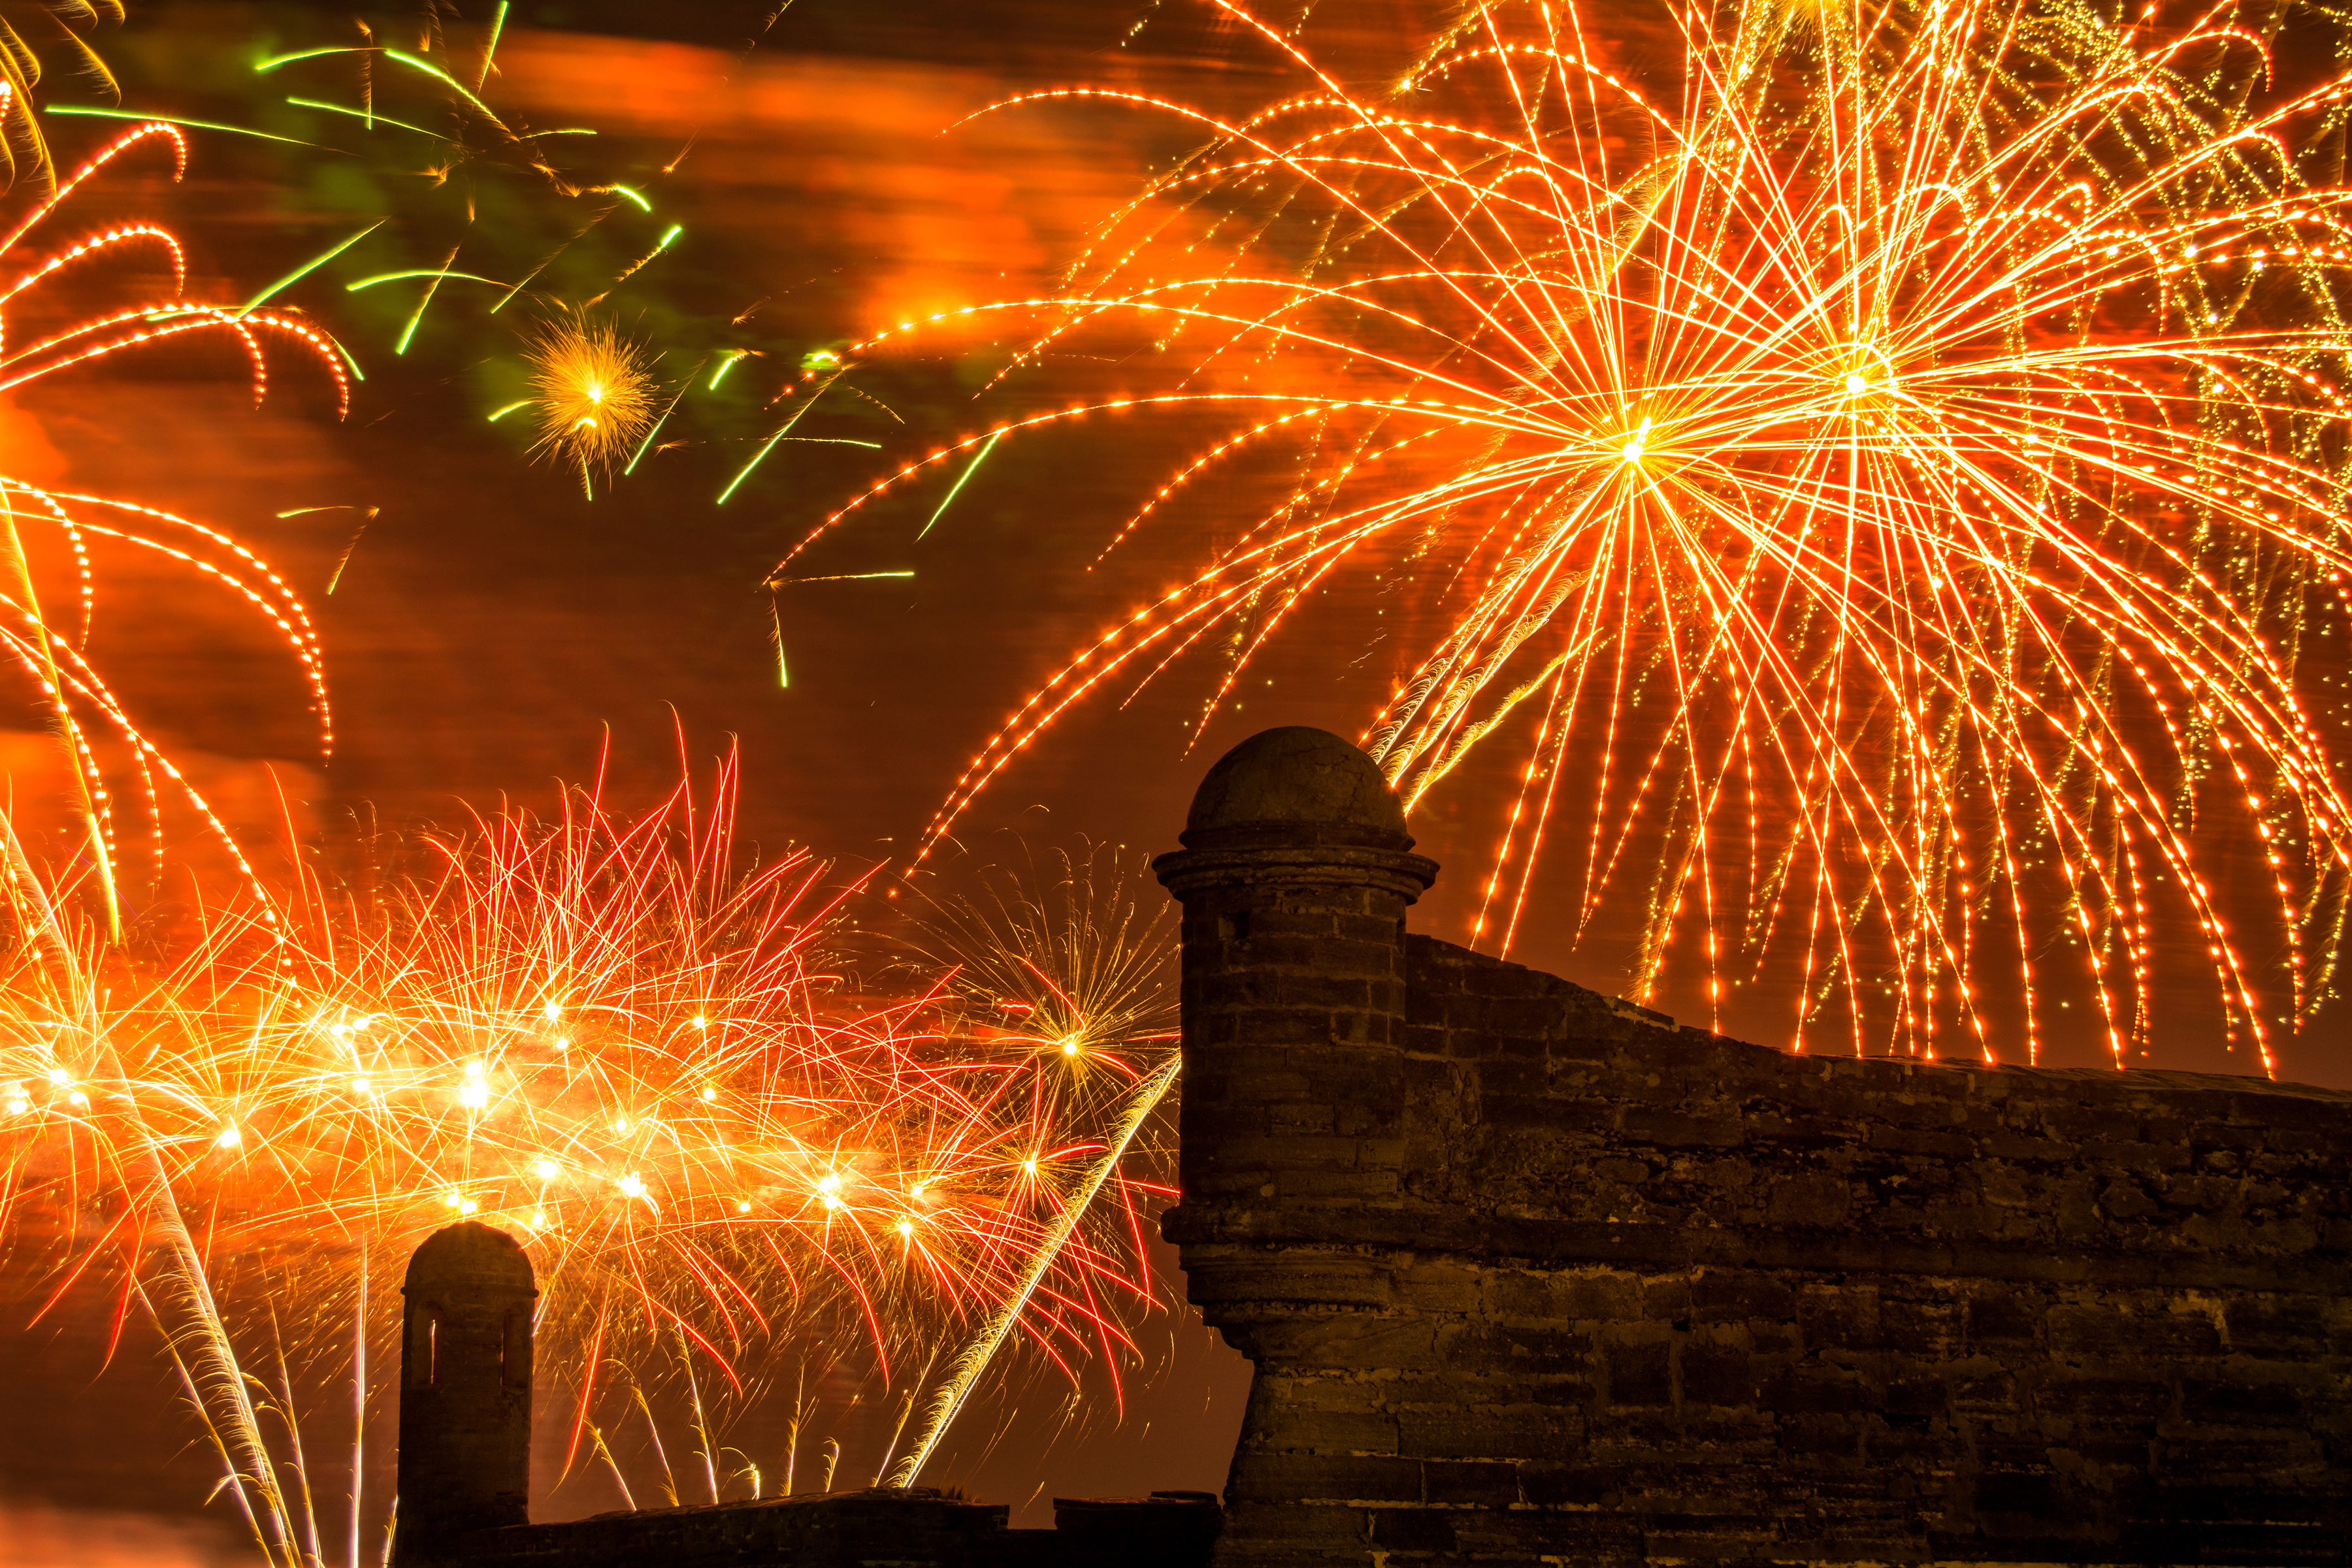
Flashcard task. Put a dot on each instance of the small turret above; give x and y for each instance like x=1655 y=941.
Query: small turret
x=465 y=1391
x=1295 y=876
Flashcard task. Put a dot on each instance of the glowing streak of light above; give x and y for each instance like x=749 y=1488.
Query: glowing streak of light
x=491 y=49
x=434 y=272
x=307 y=268
x=776 y=607
x=661 y=244
x=61 y=721
x=974 y=1359
x=403 y=55
x=416 y=316
x=647 y=445
x=961 y=480
x=76 y=109
x=359 y=1403
x=369 y=115
x=776 y=635
x=350 y=550
x=770 y=445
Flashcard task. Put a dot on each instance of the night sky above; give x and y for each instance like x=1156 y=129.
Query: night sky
x=492 y=631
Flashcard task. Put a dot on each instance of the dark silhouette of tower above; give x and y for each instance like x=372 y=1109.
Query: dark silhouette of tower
x=1295 y=876
x=465 y=1391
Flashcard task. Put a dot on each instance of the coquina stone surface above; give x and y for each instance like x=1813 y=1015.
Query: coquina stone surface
x=1530 y=1274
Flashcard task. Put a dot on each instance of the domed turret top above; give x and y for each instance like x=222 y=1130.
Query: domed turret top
x=1297 y=779
x=471 y=1252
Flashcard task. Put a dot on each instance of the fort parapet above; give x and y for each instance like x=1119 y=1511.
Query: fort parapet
x=1531 y=1274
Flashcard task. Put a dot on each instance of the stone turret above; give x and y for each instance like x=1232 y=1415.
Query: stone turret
x=1295 y=876
x=465 y=1391
x=1530 y=1274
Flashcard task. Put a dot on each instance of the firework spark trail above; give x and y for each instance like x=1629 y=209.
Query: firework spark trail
x=178 y=1296
x=611 y=1037
x=949 y=1401
x=1904 y=452
x=80 y=705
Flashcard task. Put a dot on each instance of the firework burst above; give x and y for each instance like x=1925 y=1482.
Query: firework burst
x=50 y=647
x=594 y=393
x=611 y=1037
x=1879 y=472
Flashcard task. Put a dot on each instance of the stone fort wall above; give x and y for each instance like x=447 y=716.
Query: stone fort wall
x=1529 y=1273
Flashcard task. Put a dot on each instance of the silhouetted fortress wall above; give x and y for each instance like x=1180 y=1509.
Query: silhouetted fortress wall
x=1527 y=1272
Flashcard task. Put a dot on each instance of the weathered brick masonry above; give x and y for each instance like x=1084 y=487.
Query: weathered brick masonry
x=1529 y=1273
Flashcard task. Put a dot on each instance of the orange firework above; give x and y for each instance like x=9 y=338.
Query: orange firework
x=50 y=648
x=613 y=1038
x=1881 y=471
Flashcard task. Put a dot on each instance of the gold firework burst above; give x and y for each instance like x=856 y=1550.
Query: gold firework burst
x=594 y=391
x=1881 y=484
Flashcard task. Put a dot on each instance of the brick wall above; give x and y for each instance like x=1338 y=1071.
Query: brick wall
x=1616 y=1291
